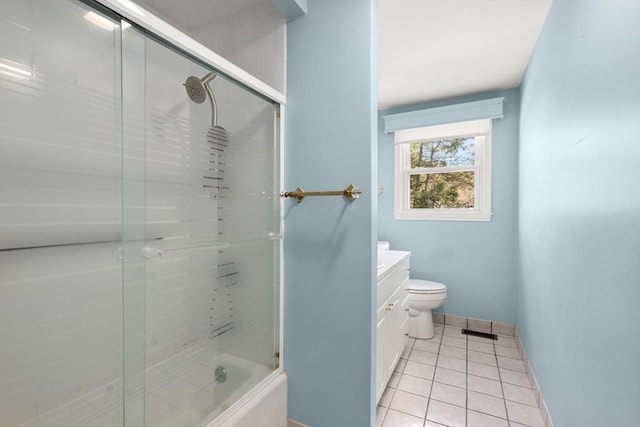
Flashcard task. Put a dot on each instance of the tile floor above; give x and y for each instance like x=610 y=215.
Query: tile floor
x=459 y=380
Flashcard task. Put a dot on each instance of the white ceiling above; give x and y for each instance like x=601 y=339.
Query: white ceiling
x=427 y=49
x=436 y=49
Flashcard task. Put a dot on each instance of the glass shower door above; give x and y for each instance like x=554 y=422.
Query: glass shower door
x=139 y=226
x=60 y=216
x=202 y=296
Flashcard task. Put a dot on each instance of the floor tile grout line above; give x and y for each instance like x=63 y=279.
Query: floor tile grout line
x=513 y=370
x=384 y=417
x=504 y=399
x=398 y=410
x=486 y=394
x=466 y=386
x=414 y=394
x=433 y=379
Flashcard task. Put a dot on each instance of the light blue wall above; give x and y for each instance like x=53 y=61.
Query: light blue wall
x=476 y=260
x=578 y=302
x=329 y=243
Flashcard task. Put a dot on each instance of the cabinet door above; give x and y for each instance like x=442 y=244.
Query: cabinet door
x=381 y=356
x=394 y=319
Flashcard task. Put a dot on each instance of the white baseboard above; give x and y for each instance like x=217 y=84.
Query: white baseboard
x=544 y=411
x=480 y=325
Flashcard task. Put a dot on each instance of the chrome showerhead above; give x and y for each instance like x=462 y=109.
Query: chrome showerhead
x=196 y=89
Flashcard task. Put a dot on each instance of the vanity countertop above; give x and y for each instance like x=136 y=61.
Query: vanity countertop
x=387 y=259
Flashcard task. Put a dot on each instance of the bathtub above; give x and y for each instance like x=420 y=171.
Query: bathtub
x=265 y=406
x=245 y=403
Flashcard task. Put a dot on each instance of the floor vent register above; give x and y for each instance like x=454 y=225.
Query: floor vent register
x=480 y=334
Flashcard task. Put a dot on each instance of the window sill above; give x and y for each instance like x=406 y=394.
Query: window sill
x=443 y=216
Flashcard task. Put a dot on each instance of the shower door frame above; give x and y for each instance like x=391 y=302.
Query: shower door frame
x=191 y=48
x=171 y=35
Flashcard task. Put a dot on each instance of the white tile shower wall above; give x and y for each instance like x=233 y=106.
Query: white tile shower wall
x=251 y=34
x=250 y=169
x=252 y=38
x=178 y=294
x=61 y=317
x=61 y=307
x=59 y=123
x=221 y=297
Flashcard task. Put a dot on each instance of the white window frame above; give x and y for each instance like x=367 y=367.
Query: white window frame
x=481 y=129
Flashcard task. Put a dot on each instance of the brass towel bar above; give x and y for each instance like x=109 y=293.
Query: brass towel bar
x=352 y=192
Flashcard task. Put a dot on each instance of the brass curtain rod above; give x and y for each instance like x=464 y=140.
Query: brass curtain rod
x=352 y=192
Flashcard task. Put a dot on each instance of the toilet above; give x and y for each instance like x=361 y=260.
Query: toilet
x=424 y=296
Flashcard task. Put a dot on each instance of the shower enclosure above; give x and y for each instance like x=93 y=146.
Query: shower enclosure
x=139 y=230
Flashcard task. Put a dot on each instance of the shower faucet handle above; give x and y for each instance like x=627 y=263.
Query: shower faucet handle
x=148 y=252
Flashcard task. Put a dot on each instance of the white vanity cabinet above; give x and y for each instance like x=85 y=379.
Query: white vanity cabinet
x=392 y=314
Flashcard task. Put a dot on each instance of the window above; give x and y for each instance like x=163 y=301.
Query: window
x=443 y=172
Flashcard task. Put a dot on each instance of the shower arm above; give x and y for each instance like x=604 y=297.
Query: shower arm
x=212 y=100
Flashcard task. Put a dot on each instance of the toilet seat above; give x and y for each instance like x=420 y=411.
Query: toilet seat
x=416 y=286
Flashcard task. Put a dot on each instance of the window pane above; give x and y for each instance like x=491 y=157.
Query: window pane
x=441 y=190
x=442 y=153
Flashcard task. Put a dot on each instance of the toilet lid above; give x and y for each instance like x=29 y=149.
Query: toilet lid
x=425 y=286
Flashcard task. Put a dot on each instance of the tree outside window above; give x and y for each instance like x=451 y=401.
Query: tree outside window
x=435 y=189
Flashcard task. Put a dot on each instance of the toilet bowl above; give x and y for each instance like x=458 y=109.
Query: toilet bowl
x=424 y=296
